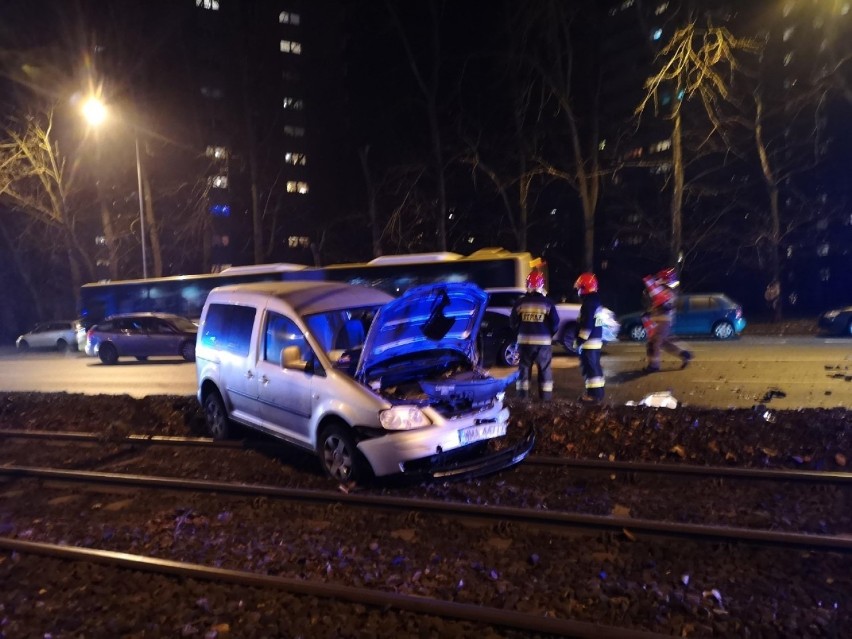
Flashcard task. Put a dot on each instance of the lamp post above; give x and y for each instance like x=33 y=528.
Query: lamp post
x=95 y=112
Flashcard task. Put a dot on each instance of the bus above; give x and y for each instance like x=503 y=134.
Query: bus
x=185 y=294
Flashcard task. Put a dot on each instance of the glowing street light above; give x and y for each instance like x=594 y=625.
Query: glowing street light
x=95 y=113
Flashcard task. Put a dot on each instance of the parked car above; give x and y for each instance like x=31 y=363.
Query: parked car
x=498 y=341
x=57 y=334
x=373 y=385
x=837 y=321
x=710 y=314
x=142 y=335
x=501 y=300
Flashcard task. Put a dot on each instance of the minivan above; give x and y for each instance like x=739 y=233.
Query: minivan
x=373 y=385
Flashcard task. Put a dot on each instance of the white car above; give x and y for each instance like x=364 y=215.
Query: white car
x=373 y=385
x=501 y=300
x=58 y=334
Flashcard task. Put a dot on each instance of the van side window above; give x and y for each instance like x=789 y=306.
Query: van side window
x=228 y=328
x=281 y=332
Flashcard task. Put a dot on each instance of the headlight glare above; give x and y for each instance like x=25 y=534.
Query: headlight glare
x=403 y=418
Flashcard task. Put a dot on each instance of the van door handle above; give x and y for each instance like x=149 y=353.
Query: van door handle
x=249 y=374
x=264 y=380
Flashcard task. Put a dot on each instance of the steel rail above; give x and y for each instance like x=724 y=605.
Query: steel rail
x=499 y=513
x=599 y=465
x=408 y=603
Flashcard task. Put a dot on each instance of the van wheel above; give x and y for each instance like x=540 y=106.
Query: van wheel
x=107 y=353
x=339 y=456
x=61 y=345
x=23 y=346
x=218 y=423
x=187 y=351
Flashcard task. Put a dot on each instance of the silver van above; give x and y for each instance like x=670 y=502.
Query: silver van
x=373 y=385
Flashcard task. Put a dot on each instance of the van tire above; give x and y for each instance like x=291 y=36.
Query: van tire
x=218 y=423
x=340 y=458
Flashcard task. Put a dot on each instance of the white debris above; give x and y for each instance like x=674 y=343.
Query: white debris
x=660 y=399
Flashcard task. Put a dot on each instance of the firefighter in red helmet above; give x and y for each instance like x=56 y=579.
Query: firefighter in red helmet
x=589 y=341
x=535 y=319
x=660 y=299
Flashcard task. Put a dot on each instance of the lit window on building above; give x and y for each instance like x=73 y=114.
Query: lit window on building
x=220 y=210
x=289 y=46
x=661 y=8
x=844 y=9
x=818 y=22
x=662 y=168
x=218 y=181
x=297 y=187
x=788 y=33
x=822 y=249
x=634 y=154
x=296 y=159
x=825 y=274
x=788 y=58
x=288 y=17
x=657 y=34
x=294 y=104
x=602 y=145
x=298 y=241
x=100 y=240
x=294 y=131
x=788 y=7
x=622 y=7
x=217 y=152
x=662 y=145
x=212 y=5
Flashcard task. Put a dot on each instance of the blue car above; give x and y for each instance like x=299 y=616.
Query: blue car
x=711 y=314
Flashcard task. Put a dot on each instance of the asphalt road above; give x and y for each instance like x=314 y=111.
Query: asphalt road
x=811 y=372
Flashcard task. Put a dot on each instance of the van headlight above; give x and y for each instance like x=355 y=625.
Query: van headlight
x=403 y=418
x=830 y=315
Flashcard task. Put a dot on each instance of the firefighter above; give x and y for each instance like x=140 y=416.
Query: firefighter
x=589 y=338
x=658 y=320
x=535 y=319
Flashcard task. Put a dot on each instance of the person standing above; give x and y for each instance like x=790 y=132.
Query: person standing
x=659 y=318
x=536 y=320
x=589 y=341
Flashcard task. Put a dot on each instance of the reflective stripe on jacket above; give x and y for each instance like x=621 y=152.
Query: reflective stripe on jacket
x=589 y=323
x=535 y=318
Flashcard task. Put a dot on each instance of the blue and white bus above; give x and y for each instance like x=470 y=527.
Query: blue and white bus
x=185 y=294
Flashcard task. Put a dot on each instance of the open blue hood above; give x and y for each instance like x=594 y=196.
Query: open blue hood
x=426 y=318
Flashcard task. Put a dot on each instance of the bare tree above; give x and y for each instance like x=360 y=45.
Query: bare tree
x=696 y=63
x=428 y=83
x=35 y=183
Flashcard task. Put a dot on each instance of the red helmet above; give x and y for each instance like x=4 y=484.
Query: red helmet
x=586 y=283
x=669 y=277
x=535 y=281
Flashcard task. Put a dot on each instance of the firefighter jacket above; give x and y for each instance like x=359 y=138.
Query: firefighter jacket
x=535 y=318
x=589 y=322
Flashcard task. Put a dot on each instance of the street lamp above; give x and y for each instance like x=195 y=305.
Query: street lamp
x=95 y=113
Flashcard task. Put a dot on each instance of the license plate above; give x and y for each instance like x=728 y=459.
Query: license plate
x=483 y=431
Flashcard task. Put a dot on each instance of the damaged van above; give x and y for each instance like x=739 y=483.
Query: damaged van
x=375 y=386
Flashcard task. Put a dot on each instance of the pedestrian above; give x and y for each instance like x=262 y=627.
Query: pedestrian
x=661 y=298
x=772 y=295
x=536 y=320
x=589 y=339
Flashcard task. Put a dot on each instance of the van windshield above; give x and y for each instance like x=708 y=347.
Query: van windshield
x=342 y=329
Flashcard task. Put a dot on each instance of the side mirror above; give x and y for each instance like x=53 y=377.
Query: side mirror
x=291 y=358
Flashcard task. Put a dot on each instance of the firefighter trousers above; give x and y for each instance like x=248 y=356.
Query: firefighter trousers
x=593 y=375
x=542 y=357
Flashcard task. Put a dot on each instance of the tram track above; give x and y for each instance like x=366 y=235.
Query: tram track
x=569 y=521
x=534 y=461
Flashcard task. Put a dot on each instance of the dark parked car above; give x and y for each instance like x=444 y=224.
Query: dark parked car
x=498 y=342
x=142 y=335
x=837 y=321
x=711 y=314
